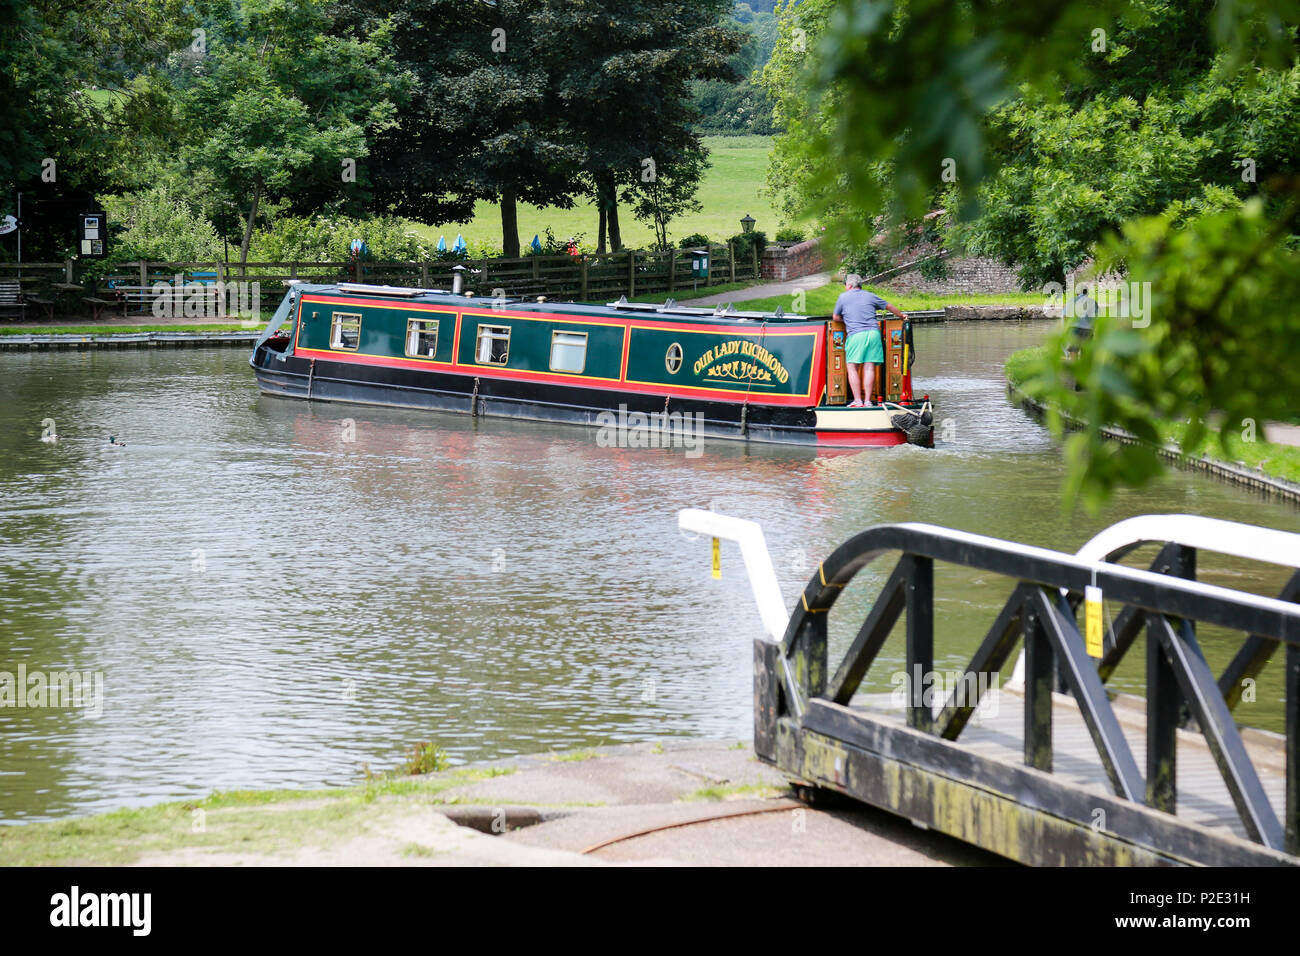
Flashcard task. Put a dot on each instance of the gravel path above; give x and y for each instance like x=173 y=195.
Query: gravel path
x=766 y=290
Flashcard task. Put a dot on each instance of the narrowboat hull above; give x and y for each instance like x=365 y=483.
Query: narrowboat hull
x=787 y=361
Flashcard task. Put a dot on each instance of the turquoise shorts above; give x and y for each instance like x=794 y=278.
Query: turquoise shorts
x=863 y=347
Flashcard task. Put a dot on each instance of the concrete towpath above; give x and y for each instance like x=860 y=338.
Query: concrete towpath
x=764 y=291
x=676 y=802
x=700 y=804
x=1282 y=434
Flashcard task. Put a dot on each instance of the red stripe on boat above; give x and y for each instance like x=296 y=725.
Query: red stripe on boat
x=891 y=437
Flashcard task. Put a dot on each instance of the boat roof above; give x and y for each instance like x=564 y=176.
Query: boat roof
x=665 y=310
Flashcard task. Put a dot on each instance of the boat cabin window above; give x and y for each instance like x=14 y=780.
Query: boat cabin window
x=673 y=358
x=493 y=344
x=568 y=351
x=345 y=330
x=422 y=338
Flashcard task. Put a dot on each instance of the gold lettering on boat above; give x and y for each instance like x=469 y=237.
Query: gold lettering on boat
x=765 y=368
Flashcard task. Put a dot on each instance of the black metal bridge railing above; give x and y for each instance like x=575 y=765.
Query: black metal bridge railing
x=804 y=724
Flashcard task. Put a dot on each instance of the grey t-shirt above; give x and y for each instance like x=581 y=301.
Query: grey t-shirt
x=858 y=309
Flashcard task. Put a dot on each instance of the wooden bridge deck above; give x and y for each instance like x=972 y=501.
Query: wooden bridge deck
x=998 y=734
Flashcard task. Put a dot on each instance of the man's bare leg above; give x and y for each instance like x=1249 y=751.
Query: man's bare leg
x=868 y=381
x=855 y=380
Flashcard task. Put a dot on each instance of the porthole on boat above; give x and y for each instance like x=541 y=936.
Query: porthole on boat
x=673 y=360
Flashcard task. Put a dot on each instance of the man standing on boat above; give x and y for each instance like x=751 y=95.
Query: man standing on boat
x=863 y=349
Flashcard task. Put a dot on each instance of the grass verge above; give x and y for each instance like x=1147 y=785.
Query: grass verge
x=740 y=791
x=263 y=821
x=1273 y=459
x=821 y=301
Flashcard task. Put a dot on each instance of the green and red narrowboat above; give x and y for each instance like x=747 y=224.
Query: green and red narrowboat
x=765 y=377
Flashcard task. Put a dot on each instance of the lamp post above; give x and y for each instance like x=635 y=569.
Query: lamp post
x=747 y=224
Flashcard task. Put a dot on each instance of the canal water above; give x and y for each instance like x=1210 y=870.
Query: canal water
x=278 y=594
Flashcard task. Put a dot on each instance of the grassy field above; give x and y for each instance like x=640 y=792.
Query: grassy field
x=822 y=300
x=731 y=189
x=1278 y=461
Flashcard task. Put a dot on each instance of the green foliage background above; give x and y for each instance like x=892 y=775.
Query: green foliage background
x=1157 y=139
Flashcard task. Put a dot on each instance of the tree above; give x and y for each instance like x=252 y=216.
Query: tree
x=535 y=102
x=521 y=151
x=70 y=75
x=1082 y=130
x=1158 y=125
x=280 y=105
x=786 y=78
x=744 y=106
x=483 y=120
x=625 y=87
x=665 y=193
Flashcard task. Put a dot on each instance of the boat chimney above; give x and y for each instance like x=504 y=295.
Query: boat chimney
x=457 y=279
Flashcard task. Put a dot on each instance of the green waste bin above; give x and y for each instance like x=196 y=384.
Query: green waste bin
x=699 y=263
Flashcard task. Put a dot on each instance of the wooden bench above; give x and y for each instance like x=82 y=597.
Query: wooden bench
x=46 y=305
x=11 y=296
x=141 y=299
x=98 y=305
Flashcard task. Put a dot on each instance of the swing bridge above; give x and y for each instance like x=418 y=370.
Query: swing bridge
x=1066 y=771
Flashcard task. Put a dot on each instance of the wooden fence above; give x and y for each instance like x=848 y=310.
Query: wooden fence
x=561 y=277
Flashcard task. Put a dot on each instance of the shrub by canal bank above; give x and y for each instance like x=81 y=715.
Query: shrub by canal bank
x=1268 y=467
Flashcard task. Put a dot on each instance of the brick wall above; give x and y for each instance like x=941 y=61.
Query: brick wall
x=791 y=262
x=965 y=274
x=970 y=274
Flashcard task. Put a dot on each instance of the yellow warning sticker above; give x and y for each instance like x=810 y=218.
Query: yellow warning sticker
x=1092 y=629
x=717 y=558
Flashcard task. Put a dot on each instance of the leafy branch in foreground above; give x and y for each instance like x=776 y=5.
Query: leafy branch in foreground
x=1217 y=357
x=1129 y=131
